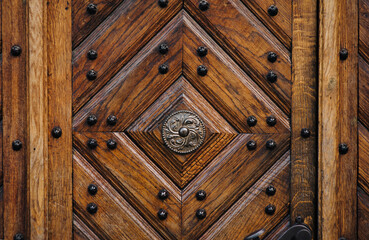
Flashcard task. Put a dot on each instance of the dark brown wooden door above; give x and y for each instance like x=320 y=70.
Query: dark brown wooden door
x=181 y=118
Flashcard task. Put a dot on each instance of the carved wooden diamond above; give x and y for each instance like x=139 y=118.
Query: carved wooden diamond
x=181 y=98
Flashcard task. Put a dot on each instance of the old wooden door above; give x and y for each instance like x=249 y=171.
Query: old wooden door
x=183 y=119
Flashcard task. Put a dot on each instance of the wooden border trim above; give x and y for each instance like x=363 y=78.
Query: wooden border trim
x=304 y=110
x=59 y=63
x=337 y=180
x=14 y=118
x=37 y=120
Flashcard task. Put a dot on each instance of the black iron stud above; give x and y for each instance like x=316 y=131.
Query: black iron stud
x=163 y=3
x=270 y=209
x=272 y=77
x=163 y=48
x=16 y=50
x=163 y=194
x=92 y=208
x=112 y=120
x=202 y=51
x=56 y=132
x=201 y=195
x=251 y=145
x=343 y=54
x=343 y=148
x=92 y=189
x=272 y=10
x=18 y=236
x=92 y=54
x=271 y=144
x=91 y=120
x=299 y=220
x=163 y=69
x=17 y=145
x=270 y=190
x=162 y=214
x=271 y=121
x=111 y=144
x=203 y=5
x=202 y=70
x=272 y=57
x=92 y=8
x=251 y=121
x=305 y=133
x=92 y=143
x=201 y=213
x=91 y=75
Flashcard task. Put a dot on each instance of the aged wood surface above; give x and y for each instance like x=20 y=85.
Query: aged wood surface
x=280 y=229
x=81 y=231
x=363 y=92
x=112 y=207
x=226 y=178
x=338 y=96
x=363 y=161
x=83 y=22
x=248 y=215
x=59 y=87
x=145 y=180
x=304 y=111
x=247 y=40
x=116 y=41
x=280 y=25
x=364 y=28
x=14 y=117
x=363 y=215
x=37 y=141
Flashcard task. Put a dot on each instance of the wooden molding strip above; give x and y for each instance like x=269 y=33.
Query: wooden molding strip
x=337 y=178
x=304 y=110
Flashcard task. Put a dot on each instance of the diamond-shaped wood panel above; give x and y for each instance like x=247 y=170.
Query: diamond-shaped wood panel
x=155 y=59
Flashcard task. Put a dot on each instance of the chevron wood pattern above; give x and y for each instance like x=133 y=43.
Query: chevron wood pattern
x=128 y=160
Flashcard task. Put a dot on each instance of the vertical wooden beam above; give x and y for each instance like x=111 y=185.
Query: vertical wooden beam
x=37 y=120
x=304 y=110
x=14 y=117
x=59 y=59
x=338 y=119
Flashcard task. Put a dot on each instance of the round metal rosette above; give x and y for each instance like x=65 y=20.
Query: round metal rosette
x=183 y=132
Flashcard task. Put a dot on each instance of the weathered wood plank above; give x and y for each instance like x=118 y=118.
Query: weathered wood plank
x=248 y=215
x=59 y=58
x=363 y=92
x=338 y=120
x=37 y=99
x=14 y=117
x=280 y=24
x=363 y=215
x=116 y=41
x=364 y=28
x=112 y=207
x=83 y=22
x=304 y=111
x=248 y=41
x=363 y=169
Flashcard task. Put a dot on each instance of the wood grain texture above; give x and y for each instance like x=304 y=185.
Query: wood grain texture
x=363 y=92
x=364 y=28
x=279 y=230
x=14 y=117
x=59 y=57
x=363 y=169
x=135 y=177
x=147 y=132
x=83 y=22
x=37 y=120
x=304 y=111
x=337 y=120
x=363 y=215
x=247 y=41
x=248 y=215
x=226 y=86
x=137 y=85
x=81 y=231
x=227 y=178
x=279 y=25
x=112 y=207
x=117 y=40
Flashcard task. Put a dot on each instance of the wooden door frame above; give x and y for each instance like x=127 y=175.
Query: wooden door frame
x=41 y=77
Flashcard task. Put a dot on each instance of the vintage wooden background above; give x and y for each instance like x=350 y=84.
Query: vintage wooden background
x=85 y=91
